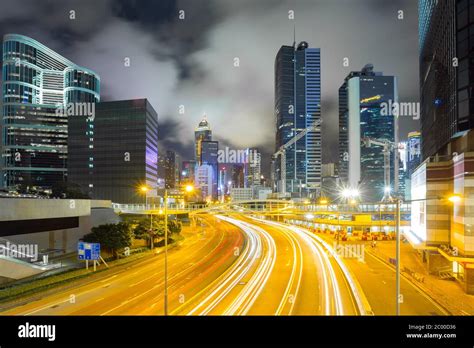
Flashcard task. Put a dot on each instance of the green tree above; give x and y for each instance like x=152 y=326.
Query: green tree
x=144 y=229
x=113 y=237
x=174 y=226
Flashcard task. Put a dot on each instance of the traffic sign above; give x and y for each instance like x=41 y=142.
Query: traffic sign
x=88 y=251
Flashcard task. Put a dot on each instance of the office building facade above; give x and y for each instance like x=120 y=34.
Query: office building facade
x=167 y=169
x=446 y=47
x=188 y=169
x=40 y=89
x=298 y=106
x=206 y=152
x=115 y=154
x=413 y=151
x=363 y=96
x=209 y=156
x=202 y=133
x=253 y=167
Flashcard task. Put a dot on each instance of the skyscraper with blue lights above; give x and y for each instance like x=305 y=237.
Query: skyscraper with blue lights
x=297 y=107
x=37 y=82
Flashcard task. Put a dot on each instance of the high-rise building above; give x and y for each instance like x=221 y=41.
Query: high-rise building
x=202 y=133
x=297 y=107
x=413 y=151
x=209 y=155
x=40 y=89
x=330 y=182
x=177 y=170
x=253 y=167
x=442 y=229
x=446 y=79
x=206 y=152
x=363 y=95
x=403 y=177
x=113 y=155
x=167 y=169
x=188 y=170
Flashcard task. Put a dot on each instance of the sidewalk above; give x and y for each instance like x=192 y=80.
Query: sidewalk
x=446 y=292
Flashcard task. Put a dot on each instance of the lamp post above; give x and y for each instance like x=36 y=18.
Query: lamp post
x=166 y=251
x=144 y=189
x=397 y=234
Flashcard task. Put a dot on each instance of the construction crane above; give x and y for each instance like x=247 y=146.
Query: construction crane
x=282 y=150
x=388 y=147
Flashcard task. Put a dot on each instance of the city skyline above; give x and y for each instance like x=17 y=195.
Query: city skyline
x=307 y=158
x=185 y=66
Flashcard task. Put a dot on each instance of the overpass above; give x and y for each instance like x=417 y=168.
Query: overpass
x=378 y=217
x=268 y=207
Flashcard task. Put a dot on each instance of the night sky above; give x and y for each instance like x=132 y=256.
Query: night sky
x=190 y=62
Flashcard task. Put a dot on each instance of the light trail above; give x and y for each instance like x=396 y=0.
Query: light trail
x=255 y=285
x=235 y=273
x=328 y=274
x=295 y=244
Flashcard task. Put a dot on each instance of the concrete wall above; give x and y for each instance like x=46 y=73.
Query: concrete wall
x=67 y=239
x=12 y=209
x=15 y=269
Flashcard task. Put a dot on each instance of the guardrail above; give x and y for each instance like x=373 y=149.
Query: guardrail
x=271 y=205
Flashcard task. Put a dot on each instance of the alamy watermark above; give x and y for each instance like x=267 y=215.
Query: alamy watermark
x=348 y=251
x=391 y=108
x=19 y=251
x=77 y=109
x=228 y=155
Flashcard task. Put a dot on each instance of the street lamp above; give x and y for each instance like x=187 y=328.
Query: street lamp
x=455 y=198
x=144 y=189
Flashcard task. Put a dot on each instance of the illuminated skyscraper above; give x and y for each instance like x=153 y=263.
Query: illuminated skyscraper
x=361 y=98
x=202 y=133
x=298 y=106
x=206 y=151
x=39 y=86
x=413 y=151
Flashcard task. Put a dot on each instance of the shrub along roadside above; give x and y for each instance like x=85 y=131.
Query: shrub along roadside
x=11 y=292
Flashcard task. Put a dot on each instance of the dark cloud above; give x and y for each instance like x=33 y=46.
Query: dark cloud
x=190 y=62
x=169 y=139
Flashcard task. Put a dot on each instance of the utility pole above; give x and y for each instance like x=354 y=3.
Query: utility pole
x=166 y=251
x=397 y=231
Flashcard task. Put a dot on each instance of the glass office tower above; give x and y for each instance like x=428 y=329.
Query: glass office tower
x=202 y=133
x=413 y=151
x=206 y=152
x=37 y=83
x=362 y=97
x=438 y=30
x=209 y=156
x=115 y=154
x=298 y=106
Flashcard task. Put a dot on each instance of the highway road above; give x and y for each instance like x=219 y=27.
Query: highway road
x=234 y=266
x=295 y=277
x=201 y=257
